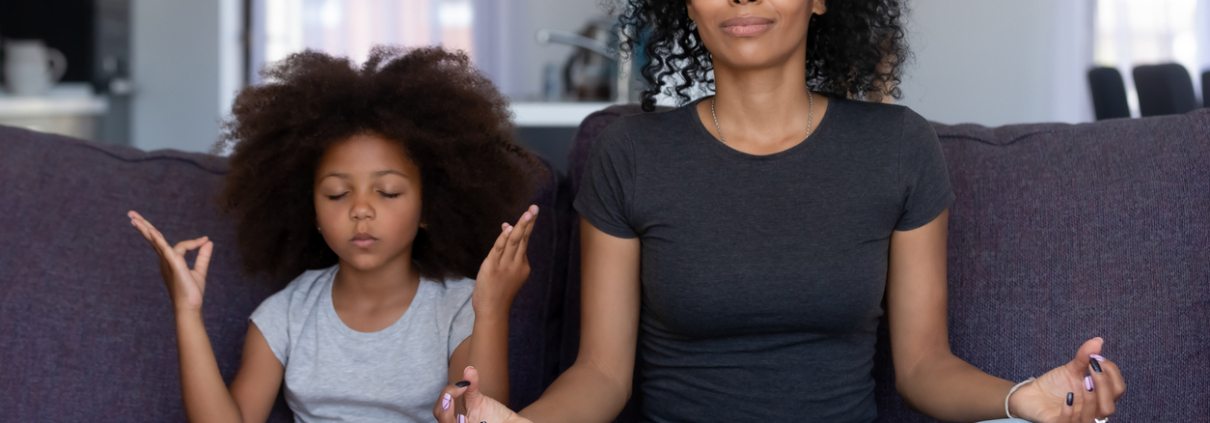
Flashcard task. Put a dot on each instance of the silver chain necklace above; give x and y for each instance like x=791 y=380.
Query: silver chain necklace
x=810 y=116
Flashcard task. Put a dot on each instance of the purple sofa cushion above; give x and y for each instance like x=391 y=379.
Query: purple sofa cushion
x=1060 y=233
x=86 y=323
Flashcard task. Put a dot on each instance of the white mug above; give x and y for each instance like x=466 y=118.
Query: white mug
x=31 y=68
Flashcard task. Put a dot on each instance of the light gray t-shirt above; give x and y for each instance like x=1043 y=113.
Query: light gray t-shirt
x=334 y=373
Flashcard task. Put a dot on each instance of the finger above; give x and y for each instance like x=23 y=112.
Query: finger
x=1079 y=364
x=529 y=229
x=472 y=395
x=1067 y=411
x=1116 y=380
x=506 y=249
x=1088 y=404
x=514 y=238
x=156 y=237
x=202 y=264
x=493 y=256
x=1105 y=387
x=187 y=245
x=146 y=235
x=444 y=410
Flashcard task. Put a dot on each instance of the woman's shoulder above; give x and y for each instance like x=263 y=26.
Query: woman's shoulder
x=865 y=113
x=631 y=124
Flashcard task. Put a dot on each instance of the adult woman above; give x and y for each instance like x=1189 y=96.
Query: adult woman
x=766 y=224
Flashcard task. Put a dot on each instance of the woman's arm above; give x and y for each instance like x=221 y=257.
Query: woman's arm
x=206 y=399
x=927 y=374
x=597 y=386
x=934 y=381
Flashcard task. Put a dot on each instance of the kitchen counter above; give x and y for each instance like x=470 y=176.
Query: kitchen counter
x=68 y=109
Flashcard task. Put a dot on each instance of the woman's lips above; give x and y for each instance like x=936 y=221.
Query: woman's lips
x=746 y=26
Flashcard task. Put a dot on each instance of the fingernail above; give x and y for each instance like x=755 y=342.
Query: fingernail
x=1088 y=383
x=1096 y=367
x=525 y=216
x=1071 y=397
x=1097 y=357
x=462 y=384
x=468 y=367
x=508 y=230
x=461 y=418
x=445 y=401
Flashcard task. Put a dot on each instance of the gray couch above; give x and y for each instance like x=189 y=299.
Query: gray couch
x=1060 y=233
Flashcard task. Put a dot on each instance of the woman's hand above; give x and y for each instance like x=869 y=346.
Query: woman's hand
x=185 y=285
x=505 y=269
x=479 y=408
x=1079 y=391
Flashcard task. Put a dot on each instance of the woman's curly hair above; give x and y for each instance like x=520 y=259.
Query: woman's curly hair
x=449 y=118
x=855 y=49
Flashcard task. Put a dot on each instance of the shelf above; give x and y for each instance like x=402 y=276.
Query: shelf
x=63 y=99
x=553 y=114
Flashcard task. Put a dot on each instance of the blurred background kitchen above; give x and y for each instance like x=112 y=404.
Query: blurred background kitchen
x=163 y=73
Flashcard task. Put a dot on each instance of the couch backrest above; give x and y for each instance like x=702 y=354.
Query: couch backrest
x=86 y=324
x=1060 y=233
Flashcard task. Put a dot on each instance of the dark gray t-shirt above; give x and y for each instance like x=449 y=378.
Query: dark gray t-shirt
x=762 y=276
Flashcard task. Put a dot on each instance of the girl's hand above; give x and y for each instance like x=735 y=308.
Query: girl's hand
x=185 y=285
x=505 y=269
x=1082 y=390
x=479 y=408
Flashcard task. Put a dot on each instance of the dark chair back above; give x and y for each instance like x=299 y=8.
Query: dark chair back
x=1164 y=89
x=1206 y=89
x=1108 y=93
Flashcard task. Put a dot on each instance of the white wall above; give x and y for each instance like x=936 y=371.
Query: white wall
x=183 y=71
x=996 y=62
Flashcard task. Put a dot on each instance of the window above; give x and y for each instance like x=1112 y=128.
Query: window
x=351 y=27
x=1141 y=32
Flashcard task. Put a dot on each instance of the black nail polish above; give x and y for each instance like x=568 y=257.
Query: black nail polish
x=1071 y=397
x=462 y=384
x=1096 y=367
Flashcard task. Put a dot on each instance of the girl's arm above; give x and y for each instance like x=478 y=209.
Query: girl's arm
x=255 y=387
x=500 y=277
x=944 y=386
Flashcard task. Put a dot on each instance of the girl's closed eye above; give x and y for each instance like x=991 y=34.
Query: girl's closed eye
x=390 y=195
x=337 y=196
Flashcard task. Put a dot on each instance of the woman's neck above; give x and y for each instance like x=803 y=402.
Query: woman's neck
x=762 y=109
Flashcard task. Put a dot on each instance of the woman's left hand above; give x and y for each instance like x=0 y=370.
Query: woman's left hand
x=506 y=267
x=1077 y=392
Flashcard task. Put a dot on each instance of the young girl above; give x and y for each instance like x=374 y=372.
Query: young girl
x=386 y=182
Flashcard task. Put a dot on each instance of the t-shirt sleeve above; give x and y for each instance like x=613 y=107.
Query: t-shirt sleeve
x=272 y=319
x=463 y=322
x=923 y=173
x=608 y=183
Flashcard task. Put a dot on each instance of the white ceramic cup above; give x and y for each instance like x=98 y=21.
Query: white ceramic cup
x=32 y=68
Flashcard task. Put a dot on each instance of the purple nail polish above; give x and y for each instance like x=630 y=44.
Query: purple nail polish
x=1097 y=357
x=461 y=418
x=445 y=401
x=1088 y=383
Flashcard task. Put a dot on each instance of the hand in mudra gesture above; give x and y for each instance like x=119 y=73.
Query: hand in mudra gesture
x=185 y=285
x=1093 y=383
x=479 y=407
